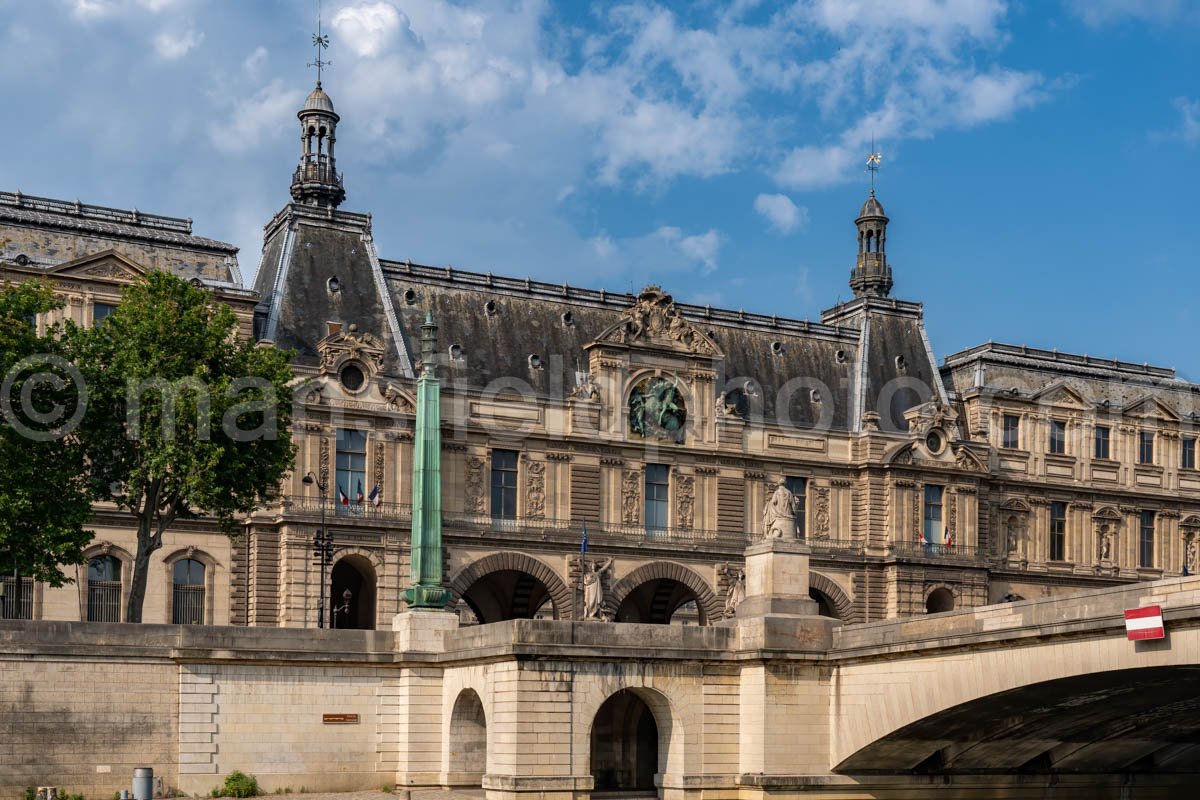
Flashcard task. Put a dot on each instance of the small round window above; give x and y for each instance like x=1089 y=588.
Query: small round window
x=352 y=377
x=933 y=442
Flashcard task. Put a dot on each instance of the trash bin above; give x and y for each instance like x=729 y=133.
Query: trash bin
x=143 y=783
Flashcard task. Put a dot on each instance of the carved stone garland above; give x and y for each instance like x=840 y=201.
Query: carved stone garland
x=821 y=513
x=323 y=462
x=379 y=464
x=631 y=498
x=535 y=490
x=475 y=498
x=685 y=505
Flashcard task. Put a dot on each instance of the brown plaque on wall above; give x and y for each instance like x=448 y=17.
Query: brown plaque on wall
x=339 y=719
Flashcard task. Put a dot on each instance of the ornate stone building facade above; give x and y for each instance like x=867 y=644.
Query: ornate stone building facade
x=664 y=429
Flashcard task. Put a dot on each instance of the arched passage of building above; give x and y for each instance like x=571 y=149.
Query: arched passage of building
x=1117 y=722
x=466 y=760
x=506 y=586
x=627 y=747
x=939 y=600
x=653 y=592
x=831 y=600
x=352 y=594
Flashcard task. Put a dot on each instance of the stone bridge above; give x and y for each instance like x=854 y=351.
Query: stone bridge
x=1039 y=698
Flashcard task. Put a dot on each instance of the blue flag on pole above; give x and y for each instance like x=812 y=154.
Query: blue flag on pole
x=583 y=541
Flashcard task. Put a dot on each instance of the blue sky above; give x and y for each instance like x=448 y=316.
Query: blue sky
x=1039 y=156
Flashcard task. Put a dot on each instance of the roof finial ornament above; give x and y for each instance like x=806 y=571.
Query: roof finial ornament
x=320 y=42
x=874 y=162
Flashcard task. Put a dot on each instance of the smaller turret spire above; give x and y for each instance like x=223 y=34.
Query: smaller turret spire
x=316 y=181
x=872 y=275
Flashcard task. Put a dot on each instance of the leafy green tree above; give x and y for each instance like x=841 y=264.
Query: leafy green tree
x=185 y=417
x=44 y=493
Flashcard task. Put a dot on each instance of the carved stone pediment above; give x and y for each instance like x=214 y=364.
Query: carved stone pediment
x=932 y=416
x=105 y=265
x=1062 y=395
x=968 y=460
x=1015 y=504
x=397 y=399
x=351 y=345
x=1151 y=408
x=1107 y=513
x=653 y=321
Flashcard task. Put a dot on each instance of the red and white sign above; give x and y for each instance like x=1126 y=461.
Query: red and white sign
x=1144 y=623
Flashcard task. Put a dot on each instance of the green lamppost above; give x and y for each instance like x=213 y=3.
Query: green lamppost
x=426 y=589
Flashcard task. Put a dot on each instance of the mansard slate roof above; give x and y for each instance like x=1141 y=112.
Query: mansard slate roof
x=113 y=223
x=771 y=364
x=528 y=320
x=1022 y=372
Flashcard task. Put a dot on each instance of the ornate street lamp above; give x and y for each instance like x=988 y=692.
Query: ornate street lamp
x=322 y=542
x=344 y=608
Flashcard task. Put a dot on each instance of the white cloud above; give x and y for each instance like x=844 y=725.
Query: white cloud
x=702 y=248
x=254 y=62
x=668 y=141
x=91 y=9
x=779 y=210
x=1096 y=13
x=809 y=167
x=170 y=46
x=603 y=245
x=264 y=115
x=368 y=28
x=1189 y=126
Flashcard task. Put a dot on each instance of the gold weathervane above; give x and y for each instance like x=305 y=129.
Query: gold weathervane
x=874 y=162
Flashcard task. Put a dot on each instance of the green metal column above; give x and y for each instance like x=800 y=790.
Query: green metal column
x=426 y=590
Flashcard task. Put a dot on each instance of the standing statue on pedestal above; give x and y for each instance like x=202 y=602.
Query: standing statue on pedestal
x=593 y=587
x=779 y=514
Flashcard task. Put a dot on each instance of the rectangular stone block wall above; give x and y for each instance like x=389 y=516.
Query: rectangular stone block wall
x=84 y=724
x=267 y=721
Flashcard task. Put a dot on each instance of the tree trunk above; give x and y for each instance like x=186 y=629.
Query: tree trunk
x=141 y=568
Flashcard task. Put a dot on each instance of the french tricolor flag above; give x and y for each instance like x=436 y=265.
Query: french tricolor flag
x=1144 y=623
x=342 y=498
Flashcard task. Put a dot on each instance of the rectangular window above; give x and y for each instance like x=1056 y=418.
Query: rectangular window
x=1146 y=540
x=658 y=485
x=1102 y=437
x=1058 y=531
x=1058 y=436
x=1012 y=432
x=799 y=489
x=1146 y=447
x=351 y=466
x=18 y=604
x=933 y=515
x=504 y=484
x=101 y=312
x=1187 y=453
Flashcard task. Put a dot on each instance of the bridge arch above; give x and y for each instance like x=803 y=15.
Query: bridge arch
x=840 y=603
x=1141 y=720
x=983 y=659
x=662 y=574
x=509 y=585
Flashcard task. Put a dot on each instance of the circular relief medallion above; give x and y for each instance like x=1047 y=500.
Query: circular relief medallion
x=657 y=409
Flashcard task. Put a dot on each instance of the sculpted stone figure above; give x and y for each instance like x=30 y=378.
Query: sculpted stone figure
x=593 y=587
x=779 y=514
x=737 y=590
x=1105 y=543
x=587 y=390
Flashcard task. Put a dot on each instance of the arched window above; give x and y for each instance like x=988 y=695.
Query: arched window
x=104 y=589
x=187 y=598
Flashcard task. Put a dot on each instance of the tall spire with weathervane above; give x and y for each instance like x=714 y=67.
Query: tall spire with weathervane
x=316 y=181
x=872 y=275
